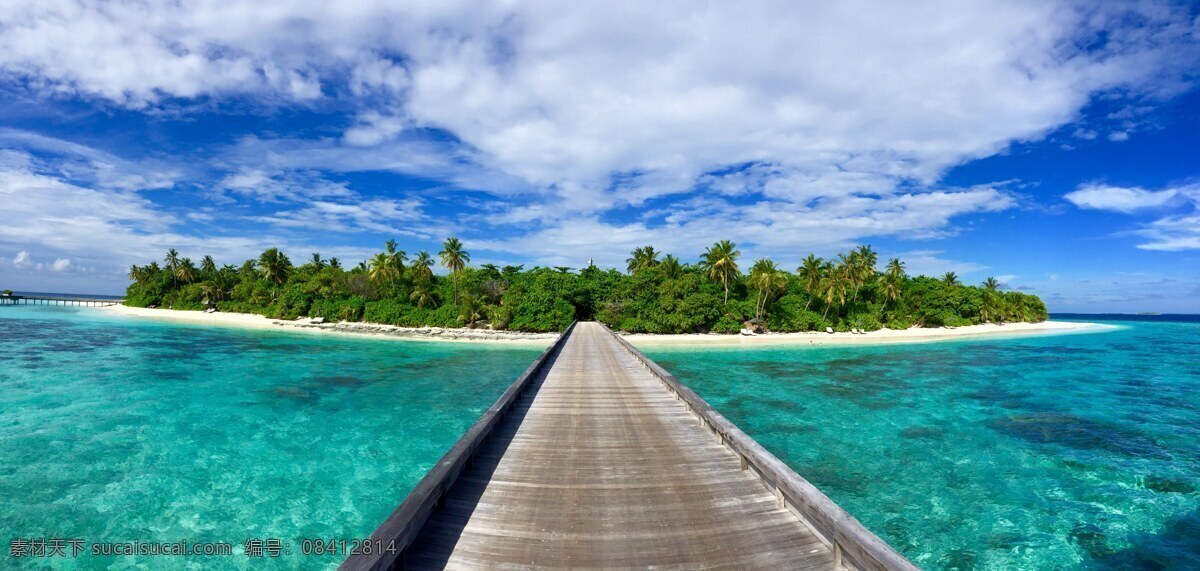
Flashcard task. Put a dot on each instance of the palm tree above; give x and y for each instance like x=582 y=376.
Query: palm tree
x=470 y=310
x=316 y=260
x=810 y=272
x=990 y=291
x=950 y=279
x=421 y=296
x=849 y=266
x=274 y=266
x=834 y=283
x=136 y=273
x=892 y=280
x=186 y=272
x=670 y=267
x=335 y=263
x=172 y=261
x=208 y=265
x=720 y=261
x=454 y=258
x=381 y=268
x=766 y=277
x=421 y=266
x=865 y=271
x=641 y=258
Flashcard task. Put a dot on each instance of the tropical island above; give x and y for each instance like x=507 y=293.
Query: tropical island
x=657 y=294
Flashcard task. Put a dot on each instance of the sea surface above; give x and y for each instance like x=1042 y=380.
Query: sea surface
x=120 y=429
x=1075 y=451
x=1078 y=451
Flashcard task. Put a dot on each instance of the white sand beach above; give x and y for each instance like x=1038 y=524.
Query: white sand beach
x=883 y=336
x=815 y=339
x=375 y=330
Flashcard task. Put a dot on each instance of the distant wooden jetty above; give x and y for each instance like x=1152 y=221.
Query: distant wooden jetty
x=57 y=300
x=596 y=457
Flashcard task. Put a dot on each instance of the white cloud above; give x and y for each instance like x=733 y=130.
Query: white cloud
x=280 y=186
x=1172 y=233
x=565 y=95
x=1116 y=198
x=402 y=217
x=99 y=232
x=786 y=126
x=1118 y=136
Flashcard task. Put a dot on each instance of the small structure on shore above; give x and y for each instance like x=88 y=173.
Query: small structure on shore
x=754 y=326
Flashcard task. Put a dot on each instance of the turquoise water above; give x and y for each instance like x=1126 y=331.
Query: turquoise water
x=120 y=429
x=1055 y=452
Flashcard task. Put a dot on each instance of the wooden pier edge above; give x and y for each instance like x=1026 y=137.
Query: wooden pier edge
x=844 y=534
x=401 y=528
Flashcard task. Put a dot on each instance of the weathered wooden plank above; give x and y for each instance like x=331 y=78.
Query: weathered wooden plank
x=595 y=465
x=402 y=526
x=858 y=546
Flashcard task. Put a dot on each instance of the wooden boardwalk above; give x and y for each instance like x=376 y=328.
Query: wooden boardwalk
x=595 y=464
x=55 y=300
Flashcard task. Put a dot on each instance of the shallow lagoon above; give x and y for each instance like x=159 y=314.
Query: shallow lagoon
x=1069 y=451
x=120 y=429
x=1053 y=452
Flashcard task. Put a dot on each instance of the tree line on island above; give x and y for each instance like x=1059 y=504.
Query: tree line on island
x=657 y=293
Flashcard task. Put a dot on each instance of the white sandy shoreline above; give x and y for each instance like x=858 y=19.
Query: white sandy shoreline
x=815 y=339
x=374 y=330
x=881 y=337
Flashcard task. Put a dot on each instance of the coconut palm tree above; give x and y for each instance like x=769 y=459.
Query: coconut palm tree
x=421 y=296
x=335 y=263
x=892 y=280
x=642 y=258
x=454 y=258
x=136 y=273
x=316 y=260
x=950 y=279
x=380 y=268
x=470 y=310
x=172 y=261
x=670 y=267
x=810 y=273
x=422 y=266
x=987 y=309
x=186 y=272
x=208 y=265
x=864 y=271
x=275 y=267
x=767 y=279
x=720 y=261
x=834 y=284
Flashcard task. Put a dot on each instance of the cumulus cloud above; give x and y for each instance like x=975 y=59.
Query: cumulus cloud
x=61 y=265
x=22 y=259
x=784 y=125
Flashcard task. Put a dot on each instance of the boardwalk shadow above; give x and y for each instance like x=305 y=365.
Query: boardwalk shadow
x=442 y=532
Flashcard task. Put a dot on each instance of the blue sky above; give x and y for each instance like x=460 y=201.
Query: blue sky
x=1055 y=145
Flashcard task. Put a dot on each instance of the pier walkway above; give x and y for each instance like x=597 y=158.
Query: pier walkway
x=56 y=300
x=597 y=458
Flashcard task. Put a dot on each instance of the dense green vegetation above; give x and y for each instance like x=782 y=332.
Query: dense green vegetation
x=655 y=295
